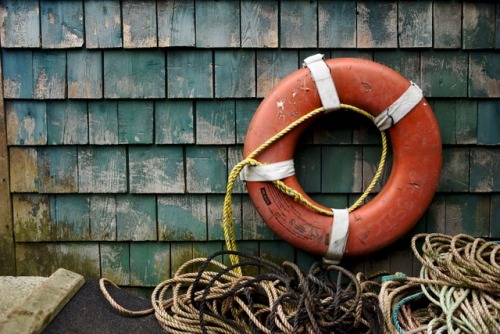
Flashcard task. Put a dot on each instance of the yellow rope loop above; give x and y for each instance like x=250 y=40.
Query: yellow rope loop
x=228 y=219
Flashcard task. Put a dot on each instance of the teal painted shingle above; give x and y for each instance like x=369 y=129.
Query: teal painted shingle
x=180 y=253
x=206 y=169
x=298 y=24
x=190 y=74
x=149 y=263
x=455 y=172
x=215 y=121
x=217 y=24
x=447 y=24
x=49 y=74
x=72 y=221
x=156 y=169
x=174 y=122
x=337 y=24
x=272 y=67
x=139 y=24
x=115 y=262
x=307 y=161
x=182 y=217
x=136 y=217
x=57 y=170
x=176 y=26
x=245 y=110
x=478 y=25
x=484 y=74
x=134 y=74
x=444 y=74
x=62 y=24
x=135 y=122
x=371 y=33
x=26 y=123
x=341 y=177
x=484 y=167
x=102 y=169
x=259 y=24
x=17 y=74
x=488 y=122
x=103 y=24
x=85 y=74
x=457 y=121
x=234 y=73
x=20 y=22
x=103 y=217
x=415 y=24
x=103 y=122
x=407 y=63
x=495 y=216
x=371 y=160
x=67 y=123
x=468 y=213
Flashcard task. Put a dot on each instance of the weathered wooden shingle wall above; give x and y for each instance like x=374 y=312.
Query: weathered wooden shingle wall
x=120 y=121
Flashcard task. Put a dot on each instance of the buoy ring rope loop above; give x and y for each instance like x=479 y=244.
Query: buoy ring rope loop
x=414 y=176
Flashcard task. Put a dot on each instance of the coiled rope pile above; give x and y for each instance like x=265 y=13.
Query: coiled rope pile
x=458 y=290
x=281 y=299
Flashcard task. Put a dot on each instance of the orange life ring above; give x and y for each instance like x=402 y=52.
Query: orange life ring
x=416 y=167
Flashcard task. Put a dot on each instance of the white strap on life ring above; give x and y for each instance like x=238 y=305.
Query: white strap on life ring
x=400 y=108
x=324 y=82
x=270 y=172
x=338 y=236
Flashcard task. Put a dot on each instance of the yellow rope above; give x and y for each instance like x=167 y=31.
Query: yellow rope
x=228 y=219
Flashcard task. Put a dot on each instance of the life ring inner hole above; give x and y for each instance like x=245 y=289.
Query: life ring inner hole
x=337 y=157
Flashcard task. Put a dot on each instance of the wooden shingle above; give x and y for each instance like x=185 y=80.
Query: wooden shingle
x=337 y=24
x=134 y=74
x=49 y=75
x=447 y=24
x=17 y=74
x=182 y=217
x=176 y=26
x=103 y=24
x=259 y=24
x=371 y=33
x=190 y=74
x=217 y=24
x=61 y=24
x=67 y=122
x=299 y=24
x=115 y=262
x=102 y=169
x=215 y=122
x=85 y=74
x=136 y=217
x=415 y=24
x=26 y=123
x=139 y=24
x=156 y=169
x=174 y=122
x=20 y=23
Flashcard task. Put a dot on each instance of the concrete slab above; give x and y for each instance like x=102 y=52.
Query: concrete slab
x=33 y=313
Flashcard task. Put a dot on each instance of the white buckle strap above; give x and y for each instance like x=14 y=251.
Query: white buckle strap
x=338 y=237
x=400 y=108
x=324 y=82
x=270 y=172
